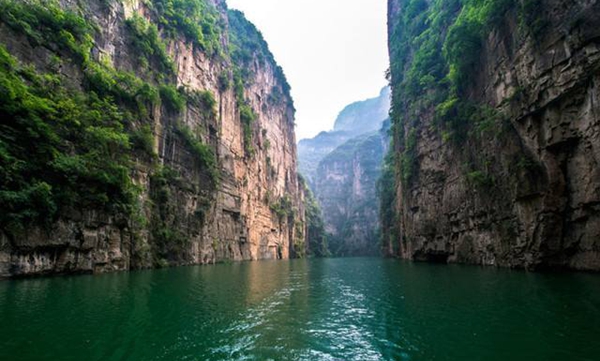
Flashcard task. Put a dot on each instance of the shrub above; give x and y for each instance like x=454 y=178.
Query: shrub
x=58 y=149
x=480 y=179
x=224 y=82
x=197 y=20
x=205 y=99
x=247 y=118
x=172 y=98
x=283 y=208
x=143 y=139
x=46 y=24
x=123 y=87
x=148 y=45
x=203 y=153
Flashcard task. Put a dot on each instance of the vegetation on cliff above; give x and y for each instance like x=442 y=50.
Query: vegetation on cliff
x=434 y=47
x=248 y=50
x=79 y=124
x=489 y=161
x=85 y=135
x=316 y=237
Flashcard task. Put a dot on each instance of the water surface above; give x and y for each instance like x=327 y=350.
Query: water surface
x=332 y=309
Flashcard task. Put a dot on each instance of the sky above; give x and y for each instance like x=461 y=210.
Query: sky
x=333 y=52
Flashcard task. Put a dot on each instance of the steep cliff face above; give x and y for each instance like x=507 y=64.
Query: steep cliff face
x=140 y=134
x=346 y=190
x=496 y=132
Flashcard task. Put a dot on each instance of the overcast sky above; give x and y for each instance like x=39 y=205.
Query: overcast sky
x=333 y=52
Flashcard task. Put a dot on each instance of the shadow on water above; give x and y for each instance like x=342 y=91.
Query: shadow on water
x=331 y=309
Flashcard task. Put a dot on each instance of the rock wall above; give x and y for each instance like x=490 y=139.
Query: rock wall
x=185 y=211
x=520 y=187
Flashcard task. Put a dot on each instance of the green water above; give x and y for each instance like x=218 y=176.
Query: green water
x=336 y=309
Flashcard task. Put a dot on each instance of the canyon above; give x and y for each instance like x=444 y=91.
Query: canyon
x=146 y=134
x=453 y=216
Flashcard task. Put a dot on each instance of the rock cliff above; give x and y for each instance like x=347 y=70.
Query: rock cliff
x=496 y=133
x=141 y=134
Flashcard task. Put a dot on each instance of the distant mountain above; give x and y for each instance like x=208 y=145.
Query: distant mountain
x=364 y=116
x=356 y=119
x=345 y=184
x=342 y=168
x=312 y=151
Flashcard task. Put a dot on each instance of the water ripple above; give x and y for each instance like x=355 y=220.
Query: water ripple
x=338 y=310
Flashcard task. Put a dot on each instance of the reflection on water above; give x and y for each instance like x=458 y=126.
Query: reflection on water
x=338 y=309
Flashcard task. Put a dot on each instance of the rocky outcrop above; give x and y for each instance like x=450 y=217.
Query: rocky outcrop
x=502 y=167
x=215 y=178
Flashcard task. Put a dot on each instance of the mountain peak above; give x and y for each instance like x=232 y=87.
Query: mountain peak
x=366 y=115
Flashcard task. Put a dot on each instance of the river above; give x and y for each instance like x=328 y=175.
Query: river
x=319 y=309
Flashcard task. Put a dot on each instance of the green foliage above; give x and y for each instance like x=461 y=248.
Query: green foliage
x=283 y=207
x=58 y=149
x=44 y=23
x=143 y=139
x=239 y=85
x=408 y=158
x=166 y=237
x=148 y=45
x=316 y=236
x=167 y=240
x=68 y=145
x=207 y=99
x=224 y=81
x=197 y=20
x=531 y=18
x=247 y=117
x=63 y=148
x=247 y=114
x=434 y=46
x=160 y=183
x=202 y=208
x=466 y=119
x=480 y=179
x=465 y=37
x=172 y=98
x=299 y=245
x=386 y=192
x=123 y=87
x=204 y=99
x=203 y=153
x=246 y=43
